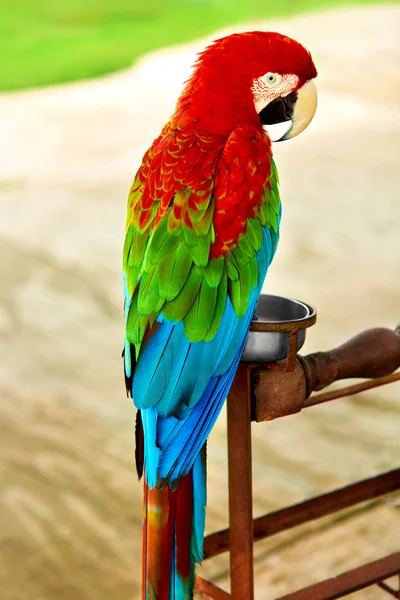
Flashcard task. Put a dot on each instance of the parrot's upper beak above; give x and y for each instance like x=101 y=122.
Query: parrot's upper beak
x=298 y=107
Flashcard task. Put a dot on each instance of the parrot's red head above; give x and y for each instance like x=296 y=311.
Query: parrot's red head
x=246 y=76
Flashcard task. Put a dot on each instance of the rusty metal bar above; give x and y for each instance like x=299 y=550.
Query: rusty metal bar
x=388 y=589
x=289 y=364
x=294 y=515
x=350 y=581
x=373 y=354
x=351 y=390
x=213 y=591
x=240 y=487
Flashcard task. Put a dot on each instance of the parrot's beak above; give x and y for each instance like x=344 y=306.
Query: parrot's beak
x=295 y=110
x=304 y=110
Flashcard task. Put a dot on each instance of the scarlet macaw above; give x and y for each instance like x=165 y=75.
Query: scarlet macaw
x=202 y=229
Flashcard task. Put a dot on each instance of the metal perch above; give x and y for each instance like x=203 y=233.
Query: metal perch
x=264 y=391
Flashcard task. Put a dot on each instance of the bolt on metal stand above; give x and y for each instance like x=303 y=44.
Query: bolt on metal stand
x=262 y=392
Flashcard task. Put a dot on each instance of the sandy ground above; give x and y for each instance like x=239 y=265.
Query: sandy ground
x=70 y=503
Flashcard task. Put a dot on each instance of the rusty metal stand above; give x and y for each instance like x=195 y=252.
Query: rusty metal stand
x=240 y=487
x=265 y=392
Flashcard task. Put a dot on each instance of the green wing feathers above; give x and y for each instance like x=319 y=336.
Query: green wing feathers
x=177 y=279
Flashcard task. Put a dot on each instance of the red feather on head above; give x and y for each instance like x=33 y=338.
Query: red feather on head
x=217 y=97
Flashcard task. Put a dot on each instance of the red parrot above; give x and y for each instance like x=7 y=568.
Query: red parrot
x=202 y=229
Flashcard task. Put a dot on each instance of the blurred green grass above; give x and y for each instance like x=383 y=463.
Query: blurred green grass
x=53 y=41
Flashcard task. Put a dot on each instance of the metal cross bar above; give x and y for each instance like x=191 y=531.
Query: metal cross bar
x=336 y=587
x=388 y=589
x=326 y=504
x=211 y=590
x=350 y=581
x=351 y=390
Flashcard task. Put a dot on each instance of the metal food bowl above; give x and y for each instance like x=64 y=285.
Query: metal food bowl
x=277 y=319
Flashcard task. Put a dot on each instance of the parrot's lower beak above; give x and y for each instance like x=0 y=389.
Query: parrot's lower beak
x=296 y=110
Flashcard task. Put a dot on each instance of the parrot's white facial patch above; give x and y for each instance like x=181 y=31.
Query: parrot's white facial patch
x=270 y=86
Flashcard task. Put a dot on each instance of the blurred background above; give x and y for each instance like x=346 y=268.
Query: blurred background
x=70 y=505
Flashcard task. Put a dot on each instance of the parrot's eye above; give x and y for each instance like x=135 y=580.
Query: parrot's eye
x=271 y=78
